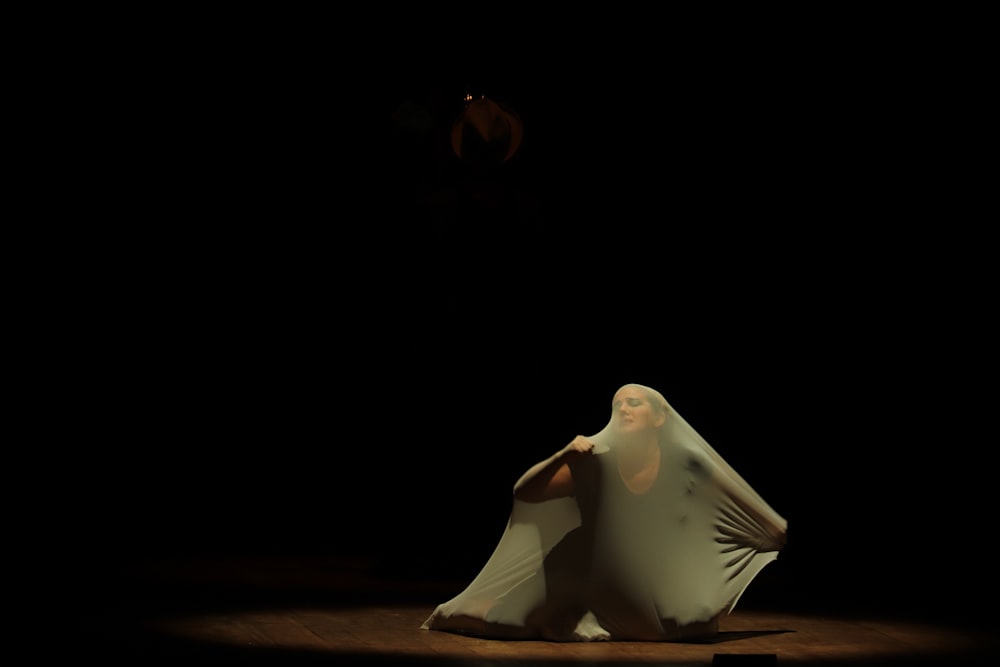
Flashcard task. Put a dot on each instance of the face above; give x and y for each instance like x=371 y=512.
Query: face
x=632 y=412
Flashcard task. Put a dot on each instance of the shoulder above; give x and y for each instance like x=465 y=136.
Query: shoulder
x=585 y=468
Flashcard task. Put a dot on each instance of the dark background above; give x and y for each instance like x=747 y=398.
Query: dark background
x=290 y=330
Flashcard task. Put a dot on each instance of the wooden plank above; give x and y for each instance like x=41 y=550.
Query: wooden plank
x=393 y=632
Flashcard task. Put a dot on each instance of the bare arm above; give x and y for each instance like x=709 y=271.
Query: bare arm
x=552 y=477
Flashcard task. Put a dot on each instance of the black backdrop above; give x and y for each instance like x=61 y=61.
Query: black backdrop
x=298 y=333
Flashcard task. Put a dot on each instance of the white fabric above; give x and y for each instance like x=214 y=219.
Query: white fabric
x=680 y=554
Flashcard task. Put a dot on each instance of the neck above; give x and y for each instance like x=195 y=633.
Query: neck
x=639 y=442
x=638 y=464
x=637 y=452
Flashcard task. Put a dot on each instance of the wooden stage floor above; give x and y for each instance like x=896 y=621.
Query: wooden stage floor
x=297 y=611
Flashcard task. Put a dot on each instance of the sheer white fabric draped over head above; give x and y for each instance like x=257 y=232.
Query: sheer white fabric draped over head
x=660 y=538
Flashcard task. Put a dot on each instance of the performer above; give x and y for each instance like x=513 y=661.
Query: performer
x=641 y=532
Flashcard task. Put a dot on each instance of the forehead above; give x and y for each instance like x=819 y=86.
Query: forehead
x=629 y=392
